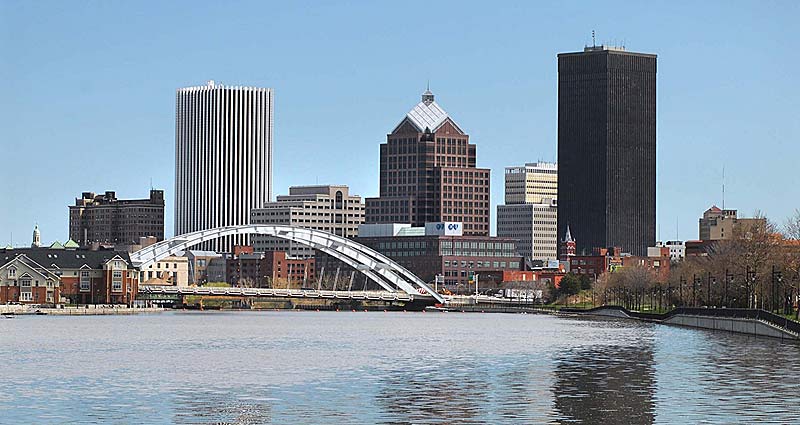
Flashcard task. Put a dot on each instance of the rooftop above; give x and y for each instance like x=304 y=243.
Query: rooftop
x=427 y=115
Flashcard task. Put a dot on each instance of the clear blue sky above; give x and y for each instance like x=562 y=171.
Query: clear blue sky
x=88 y=94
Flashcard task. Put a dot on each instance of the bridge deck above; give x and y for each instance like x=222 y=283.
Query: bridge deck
x=278 y=293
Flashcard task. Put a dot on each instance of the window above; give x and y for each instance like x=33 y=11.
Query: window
x=12 y=272
x=26 y=296
x=84 y=284
x=116 y=286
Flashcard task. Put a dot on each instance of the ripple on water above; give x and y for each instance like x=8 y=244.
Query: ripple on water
x=327 y=367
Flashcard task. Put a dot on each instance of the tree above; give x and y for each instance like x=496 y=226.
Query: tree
x=586 y=282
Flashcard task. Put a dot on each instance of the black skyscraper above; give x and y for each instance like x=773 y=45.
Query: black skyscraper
x=607 y=148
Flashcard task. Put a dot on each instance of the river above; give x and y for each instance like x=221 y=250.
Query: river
x=301 y=367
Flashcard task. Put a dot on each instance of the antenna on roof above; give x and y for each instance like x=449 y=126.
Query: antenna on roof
x=593 y=42
x=723 y=187
x=428 y=86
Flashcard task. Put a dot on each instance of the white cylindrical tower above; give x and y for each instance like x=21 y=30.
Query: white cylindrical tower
x=223 y=158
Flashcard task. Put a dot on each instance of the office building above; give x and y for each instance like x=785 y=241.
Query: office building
x=607 y=148
x=530 y=214
x=223 y=159
x=428 y=173
x=443 y=249
x=532 y=183
x=723 y=224
x=105 y=220
x=329 y=208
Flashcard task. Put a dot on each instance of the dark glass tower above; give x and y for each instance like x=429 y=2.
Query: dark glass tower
x=607 y=148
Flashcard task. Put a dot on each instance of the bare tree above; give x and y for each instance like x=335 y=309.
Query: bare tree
x=791 y=229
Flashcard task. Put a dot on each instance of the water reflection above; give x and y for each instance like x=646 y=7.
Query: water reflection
x=313 y=368
x=606 y=384
x=455 y=394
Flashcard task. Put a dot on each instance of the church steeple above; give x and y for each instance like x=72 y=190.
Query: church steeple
x=37 y=238
x=567 y=246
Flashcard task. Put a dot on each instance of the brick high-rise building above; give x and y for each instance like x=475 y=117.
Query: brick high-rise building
x=120 y=222
x=607 y=148
x=428 y=174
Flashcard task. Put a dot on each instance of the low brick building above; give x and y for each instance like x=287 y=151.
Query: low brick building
x=270 y=269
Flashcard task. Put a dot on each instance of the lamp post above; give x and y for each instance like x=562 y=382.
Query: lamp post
x=708 y=294
x=750 y=283
x=776 y=278
x=680 y=289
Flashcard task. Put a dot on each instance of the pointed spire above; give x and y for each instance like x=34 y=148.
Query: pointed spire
x=568 y=236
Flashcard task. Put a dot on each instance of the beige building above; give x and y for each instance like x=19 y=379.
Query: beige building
x=173 y=271
x=720 y=224
x=530 y=215
x=329 y=208
x=531 y=183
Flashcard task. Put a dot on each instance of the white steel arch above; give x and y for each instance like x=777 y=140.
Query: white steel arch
x=381 y=269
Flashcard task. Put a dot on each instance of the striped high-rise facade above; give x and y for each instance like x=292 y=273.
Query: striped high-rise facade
x=607 y=149
x=223 y=158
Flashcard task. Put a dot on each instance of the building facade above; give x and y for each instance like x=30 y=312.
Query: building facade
x=105 y=220
x=428 y=173
x=201 y=269
x=718 y=224
x=171 y=271
x=272 y=269
x=329 y=208
x=58 y=275
x=223 y=159
x=607 y=148
x=530 y=214
x=532 y=183
x=428 y=252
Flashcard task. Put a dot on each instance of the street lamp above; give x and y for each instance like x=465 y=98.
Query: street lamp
x=750 y=285
x=776 y=277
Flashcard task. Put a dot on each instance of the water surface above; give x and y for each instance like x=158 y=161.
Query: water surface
x=355 y=367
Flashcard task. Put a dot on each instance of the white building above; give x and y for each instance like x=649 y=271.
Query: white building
x=530 y=214
x=677 y=249
x=223 y=158
x=329 y=208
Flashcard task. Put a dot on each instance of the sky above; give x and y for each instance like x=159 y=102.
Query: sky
x=88 y=95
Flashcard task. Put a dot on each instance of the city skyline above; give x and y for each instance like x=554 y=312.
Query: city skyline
x=700 y=117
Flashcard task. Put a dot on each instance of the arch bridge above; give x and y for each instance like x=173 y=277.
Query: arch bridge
x=379 y=268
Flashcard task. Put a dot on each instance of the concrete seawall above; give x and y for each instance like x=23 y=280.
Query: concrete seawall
x=74 y=311
x=743 y=326
x=714 y=320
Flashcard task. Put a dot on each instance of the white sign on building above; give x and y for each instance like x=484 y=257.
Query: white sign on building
x=446 y=228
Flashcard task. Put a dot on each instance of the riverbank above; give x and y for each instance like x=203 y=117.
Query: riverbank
x=91 y=310
x=743 y=321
